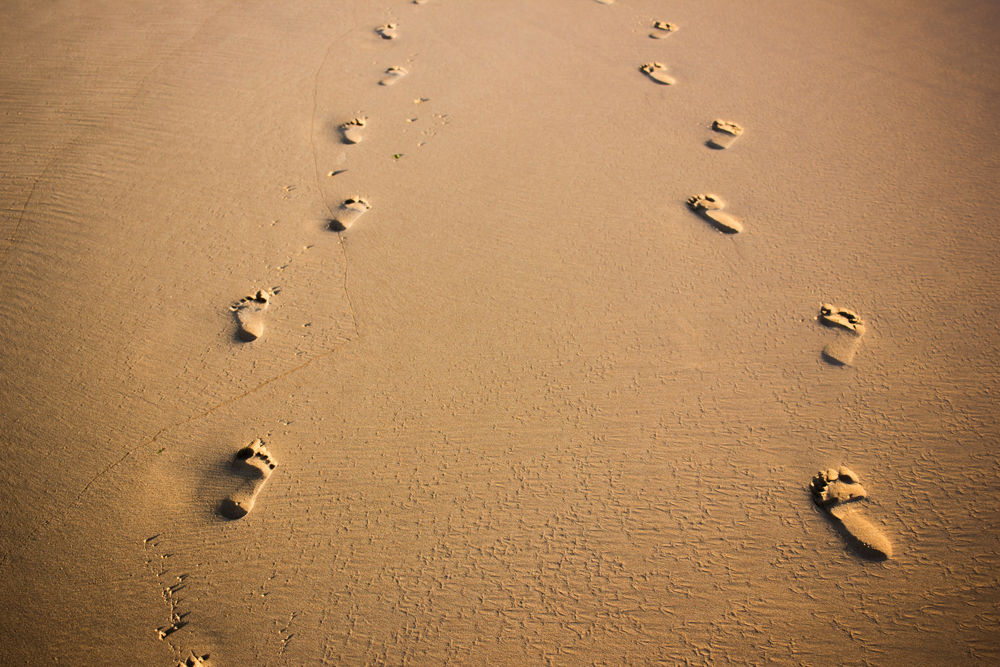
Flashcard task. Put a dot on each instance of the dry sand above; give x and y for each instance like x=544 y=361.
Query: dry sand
x=529 y=408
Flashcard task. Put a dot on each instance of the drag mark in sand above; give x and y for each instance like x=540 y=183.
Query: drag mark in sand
x=709 y=207
x=836 y=492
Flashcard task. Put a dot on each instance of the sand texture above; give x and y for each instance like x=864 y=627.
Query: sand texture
x=525 y=405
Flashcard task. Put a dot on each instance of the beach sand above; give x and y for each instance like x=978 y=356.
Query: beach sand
x=522 y=405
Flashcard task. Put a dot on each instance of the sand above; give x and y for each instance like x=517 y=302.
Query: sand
x=529 y=408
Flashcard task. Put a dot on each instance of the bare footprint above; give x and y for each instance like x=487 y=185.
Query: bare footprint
x=253 y=464
x=662 y=30
x=392 y=75
x=842 y=350
x=250 y=314
x=195 y=660
x=728 y=133
x=348 y=214
x=836 y=492
x=352 y=130
x=658 y=73
x=387 y=31
x=710 y=207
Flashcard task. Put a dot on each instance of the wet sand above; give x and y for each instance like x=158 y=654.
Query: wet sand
x=529 y=407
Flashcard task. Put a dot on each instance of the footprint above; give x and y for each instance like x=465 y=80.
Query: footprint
x=658 y=73
x=388 y=31
x=710 y=207
x=352 y=130
x=420 y=2
x=250 y=314
x=195 y=660
x=662 y=30
x=349 y=212
x=836 y=491
x=606 y=2
x=392 y=75
x=254 y=465
x=842 y=350
x=728 y=133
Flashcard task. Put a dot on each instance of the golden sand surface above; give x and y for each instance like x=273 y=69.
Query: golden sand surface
x=383 y=333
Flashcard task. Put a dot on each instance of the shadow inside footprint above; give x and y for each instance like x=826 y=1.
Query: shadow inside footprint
x=836 y=492
x=253 y=465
